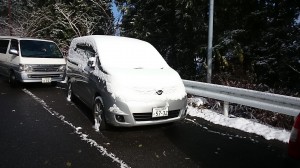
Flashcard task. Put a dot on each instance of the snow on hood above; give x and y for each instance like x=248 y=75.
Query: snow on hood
x=142 y=84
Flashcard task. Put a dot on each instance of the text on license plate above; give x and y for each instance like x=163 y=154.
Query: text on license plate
x=46 y=80
x=160 y=112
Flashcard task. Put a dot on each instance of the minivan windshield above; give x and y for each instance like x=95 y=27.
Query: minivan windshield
x=39 y=49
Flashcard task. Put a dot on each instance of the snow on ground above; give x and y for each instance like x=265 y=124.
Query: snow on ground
x=243 y=124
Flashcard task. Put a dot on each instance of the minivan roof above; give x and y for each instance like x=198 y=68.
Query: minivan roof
x=122 y=52
x=108 y=38
x=22 y=38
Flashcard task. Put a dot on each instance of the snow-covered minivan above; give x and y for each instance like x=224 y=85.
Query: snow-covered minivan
x=125 y=81
x=31 y=60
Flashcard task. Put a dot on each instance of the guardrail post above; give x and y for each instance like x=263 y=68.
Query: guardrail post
x=226 y=107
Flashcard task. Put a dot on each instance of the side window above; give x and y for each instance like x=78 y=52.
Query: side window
x=86 y=51
x=90 y=52
x=14 y=44
x=3 y=46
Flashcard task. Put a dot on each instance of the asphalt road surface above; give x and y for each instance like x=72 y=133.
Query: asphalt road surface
x=40 y=128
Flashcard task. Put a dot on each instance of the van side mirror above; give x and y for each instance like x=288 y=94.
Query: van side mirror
x=91 y=62
x=13 y=51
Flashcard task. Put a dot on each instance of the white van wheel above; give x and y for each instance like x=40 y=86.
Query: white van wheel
x=99 y=117
x=12 y=79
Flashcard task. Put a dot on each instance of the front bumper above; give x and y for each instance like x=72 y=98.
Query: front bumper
x=138 y=113
x=28 y=77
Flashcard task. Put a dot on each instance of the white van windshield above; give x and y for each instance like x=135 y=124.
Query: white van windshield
x=39 y=49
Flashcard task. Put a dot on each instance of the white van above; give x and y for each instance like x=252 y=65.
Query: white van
x=125 y=81
x=31 y=60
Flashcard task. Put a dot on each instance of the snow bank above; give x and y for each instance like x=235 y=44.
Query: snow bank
x=197 y=101
x=242 y=124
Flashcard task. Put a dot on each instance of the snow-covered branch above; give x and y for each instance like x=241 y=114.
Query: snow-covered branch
x=67 y=17
x=294 y=69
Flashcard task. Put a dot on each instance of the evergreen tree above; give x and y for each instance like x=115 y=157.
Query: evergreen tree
x=256 y=41
x=175 y=28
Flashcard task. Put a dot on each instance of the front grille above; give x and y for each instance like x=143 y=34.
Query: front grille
x=45 y=68
x=148 y=116
x=44 y=76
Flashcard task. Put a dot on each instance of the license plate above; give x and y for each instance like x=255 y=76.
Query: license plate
x=46 y=80
x=160 y=112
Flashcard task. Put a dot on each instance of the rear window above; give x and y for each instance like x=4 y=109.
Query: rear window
x=3 y=46
x=39 y=49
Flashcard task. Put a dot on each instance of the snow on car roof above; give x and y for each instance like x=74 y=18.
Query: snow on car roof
x=124 y=52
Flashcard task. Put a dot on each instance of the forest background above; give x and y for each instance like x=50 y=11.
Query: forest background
x=256 y=43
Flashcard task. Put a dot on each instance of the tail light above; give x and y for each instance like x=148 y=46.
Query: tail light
x=294 y=143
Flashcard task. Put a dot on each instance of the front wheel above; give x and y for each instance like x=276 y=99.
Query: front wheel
x=99 y=117
x=12 y=80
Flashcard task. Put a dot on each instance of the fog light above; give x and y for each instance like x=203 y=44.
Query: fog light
x=120 y=118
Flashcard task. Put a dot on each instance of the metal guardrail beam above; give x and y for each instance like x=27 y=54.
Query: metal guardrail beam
x=272 y=102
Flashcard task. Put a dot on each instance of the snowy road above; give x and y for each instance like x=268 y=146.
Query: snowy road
x=40 y=128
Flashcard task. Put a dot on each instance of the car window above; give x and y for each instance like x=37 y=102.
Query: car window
x=86 y=50
x=39 y=49
x=3 y=46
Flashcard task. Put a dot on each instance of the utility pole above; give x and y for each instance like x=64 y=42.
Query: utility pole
x=210 y=37
x=9 y=17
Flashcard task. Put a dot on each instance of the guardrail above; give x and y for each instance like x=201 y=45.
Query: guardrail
x=272 y=102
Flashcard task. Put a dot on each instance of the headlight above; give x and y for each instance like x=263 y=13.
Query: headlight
x=62 y=68
x=26 y=68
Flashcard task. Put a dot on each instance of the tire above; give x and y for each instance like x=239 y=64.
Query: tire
x=99 y=117
x=70 y=95
x=12 y=80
